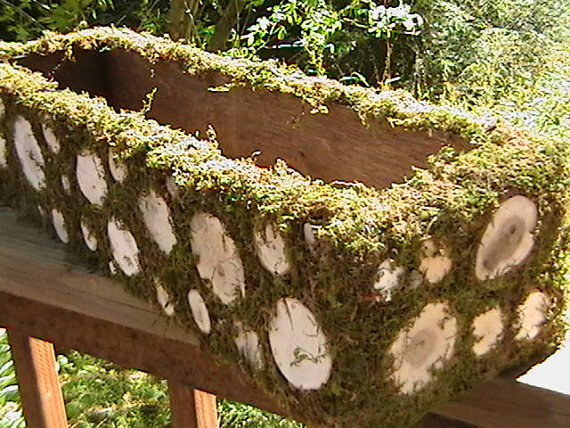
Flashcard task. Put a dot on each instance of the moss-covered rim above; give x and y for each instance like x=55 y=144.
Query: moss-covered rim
x=396 y=107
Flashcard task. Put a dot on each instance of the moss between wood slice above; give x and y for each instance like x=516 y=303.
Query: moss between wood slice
x=451 y=202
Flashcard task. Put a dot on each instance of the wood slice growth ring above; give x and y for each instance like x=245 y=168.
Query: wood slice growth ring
x=427 y=345
x=508 y=239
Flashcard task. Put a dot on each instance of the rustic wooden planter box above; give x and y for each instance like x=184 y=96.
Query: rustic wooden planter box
x=281 y=218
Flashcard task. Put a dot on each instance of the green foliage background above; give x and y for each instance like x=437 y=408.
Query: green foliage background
x=505 y=57
x=475 y=51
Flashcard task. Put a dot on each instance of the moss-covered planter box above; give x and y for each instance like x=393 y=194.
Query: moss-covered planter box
x=354 y=304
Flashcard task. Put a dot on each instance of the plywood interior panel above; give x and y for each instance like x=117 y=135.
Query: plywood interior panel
x=269 y=125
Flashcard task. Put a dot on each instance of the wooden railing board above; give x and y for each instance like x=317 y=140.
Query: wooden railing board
x=502 y=403
x=131 y=348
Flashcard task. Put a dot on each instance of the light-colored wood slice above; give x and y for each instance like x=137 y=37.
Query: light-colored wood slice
x=271 y=250
x=29 y=153
x=487 y=331
x=156 y=216
x=51 y=139
x=299 y=346
x=91 y=178
x=426 y=345
x=218 y=261
x=124 y=248
x=508 y=239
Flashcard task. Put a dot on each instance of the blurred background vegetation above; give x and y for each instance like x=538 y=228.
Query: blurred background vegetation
x=509 y=58
x=478 y=52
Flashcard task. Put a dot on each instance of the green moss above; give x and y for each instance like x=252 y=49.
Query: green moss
x=451 y=201
x=397 y=108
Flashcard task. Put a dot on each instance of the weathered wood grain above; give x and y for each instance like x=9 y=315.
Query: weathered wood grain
x=502 y=403
x=38 y=383
x=43 y=295
x=131 y=348
x=191 y=408
x=33 y=265
x=333 y=146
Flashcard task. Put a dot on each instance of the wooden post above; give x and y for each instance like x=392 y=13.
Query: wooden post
x=41 y=396
x=191 y=408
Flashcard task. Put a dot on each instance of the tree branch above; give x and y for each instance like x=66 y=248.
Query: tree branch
x=181 y=19
x=224 y=26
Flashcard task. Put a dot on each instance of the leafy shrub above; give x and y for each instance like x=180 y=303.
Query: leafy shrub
x=27 y=19
x=10 y=410
x=483 y=50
